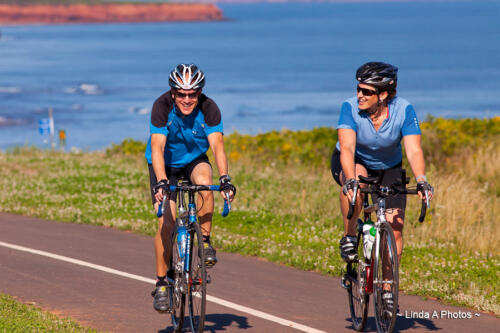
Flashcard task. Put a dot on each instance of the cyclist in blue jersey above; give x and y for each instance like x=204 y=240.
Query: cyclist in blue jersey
x=184 y=124
x=370 y=129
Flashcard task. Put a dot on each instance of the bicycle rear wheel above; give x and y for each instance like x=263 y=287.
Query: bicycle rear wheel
x=177 y=291
x=197 y=284
x=386 y=278
x=356 y=283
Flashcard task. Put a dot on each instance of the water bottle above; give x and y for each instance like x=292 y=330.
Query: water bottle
x=368 y=238
x=181 y=240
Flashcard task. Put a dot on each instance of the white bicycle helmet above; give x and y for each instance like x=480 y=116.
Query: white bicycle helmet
x=186 y=77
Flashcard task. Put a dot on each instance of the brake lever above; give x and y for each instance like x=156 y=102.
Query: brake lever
x=425 y=205
x=161 y=207
x=355 y=195
x=227 y=205
x=353 y=202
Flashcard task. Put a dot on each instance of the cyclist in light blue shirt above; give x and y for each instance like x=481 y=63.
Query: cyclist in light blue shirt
x=379 y=148
x=370 y=129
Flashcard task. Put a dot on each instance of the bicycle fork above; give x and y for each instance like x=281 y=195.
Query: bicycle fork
x=380 y=220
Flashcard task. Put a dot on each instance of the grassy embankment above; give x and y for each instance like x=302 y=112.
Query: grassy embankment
x=18 y=317
x=287 y=206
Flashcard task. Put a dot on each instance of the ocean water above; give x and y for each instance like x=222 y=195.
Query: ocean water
x=269 y=66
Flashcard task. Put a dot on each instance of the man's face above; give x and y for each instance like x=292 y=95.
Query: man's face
x=186 y=100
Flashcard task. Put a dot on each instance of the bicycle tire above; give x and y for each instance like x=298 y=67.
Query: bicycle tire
x=356 y=282
x=177 y=291
x=197 y=284
x=385 y=318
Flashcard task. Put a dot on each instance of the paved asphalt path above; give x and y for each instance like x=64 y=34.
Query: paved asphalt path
x=109 y=302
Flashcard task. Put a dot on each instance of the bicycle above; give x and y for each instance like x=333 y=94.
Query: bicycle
x=188 y=275
x=379 y=267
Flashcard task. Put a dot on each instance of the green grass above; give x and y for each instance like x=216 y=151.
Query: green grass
x=449 y=275
x=287 y=208
x=18 y=317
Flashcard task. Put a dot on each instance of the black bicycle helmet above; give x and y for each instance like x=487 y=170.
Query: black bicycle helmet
x=186 y=77
x=382 y=76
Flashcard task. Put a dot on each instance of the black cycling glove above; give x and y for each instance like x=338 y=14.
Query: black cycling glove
x=164 y=184
x=225 y=184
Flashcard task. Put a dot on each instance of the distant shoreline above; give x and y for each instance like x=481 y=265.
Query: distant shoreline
x=109 y=13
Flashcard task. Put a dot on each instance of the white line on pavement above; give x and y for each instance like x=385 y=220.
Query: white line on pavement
x=212 y=299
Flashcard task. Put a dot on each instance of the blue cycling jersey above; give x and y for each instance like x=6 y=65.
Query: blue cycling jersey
x=187 y=136
x=379 y=149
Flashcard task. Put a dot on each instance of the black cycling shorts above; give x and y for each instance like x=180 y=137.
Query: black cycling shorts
x=390 y=176
x=175 y=174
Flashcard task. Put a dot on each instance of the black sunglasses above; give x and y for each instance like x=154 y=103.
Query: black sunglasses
x=183 y=95
x=366 y=92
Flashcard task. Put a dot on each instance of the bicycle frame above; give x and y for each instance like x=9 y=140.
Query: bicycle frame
x=379 y=208
x=184 y=244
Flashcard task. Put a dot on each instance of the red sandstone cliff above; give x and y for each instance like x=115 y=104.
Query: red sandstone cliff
x=10 y=14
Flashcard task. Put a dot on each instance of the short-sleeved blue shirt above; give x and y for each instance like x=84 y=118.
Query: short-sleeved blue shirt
x=187 y=136
x=379 y=149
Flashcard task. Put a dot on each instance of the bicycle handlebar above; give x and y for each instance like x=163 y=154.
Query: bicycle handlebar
x=197 y=188
x=425 y=204
x=391 y=190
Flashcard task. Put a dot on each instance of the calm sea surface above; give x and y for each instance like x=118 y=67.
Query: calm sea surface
x=271 y=66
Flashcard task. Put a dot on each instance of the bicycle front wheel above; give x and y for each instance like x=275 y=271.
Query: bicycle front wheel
x=386 y=279
x=177 y=292
x=356 y=283
x=197 y=284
